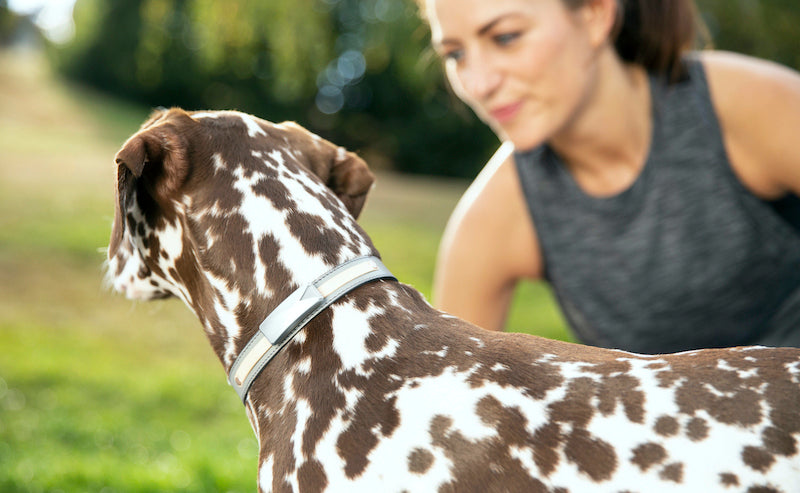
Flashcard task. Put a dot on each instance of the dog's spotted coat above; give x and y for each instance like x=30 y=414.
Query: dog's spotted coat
x=381 y=392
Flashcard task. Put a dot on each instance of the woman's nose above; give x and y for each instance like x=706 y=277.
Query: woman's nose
x=480 y=79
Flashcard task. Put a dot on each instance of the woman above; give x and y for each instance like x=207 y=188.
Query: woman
x=655 y=189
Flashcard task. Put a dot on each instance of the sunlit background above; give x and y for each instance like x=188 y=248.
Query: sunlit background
x=100 y=394
x=53 y=17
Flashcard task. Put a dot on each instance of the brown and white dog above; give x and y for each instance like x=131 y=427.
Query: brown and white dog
x=380 y=392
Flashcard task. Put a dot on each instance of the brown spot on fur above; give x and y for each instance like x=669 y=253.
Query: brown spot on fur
x=419 y=461
x=315 y=235
x=592 y=456
x=666 y=426
x=439 y=426
x=278 y=276
x=279 y=412
x=281 y=449
x=622 y=389
x=546 y=440
x=741 y=407
x=757 y=458
x=276 y=192
x=779 y=442
x=728 y=479
x=576 y=407
x=311 y=477
x=324 y=366
x=233 y=244
x=220 y=193
x=533 y=379
x=697 y=429
x=727 y=397
x=610 y=367
x=673 y=472
x=355 y=444
x=647 y=455
x=781 y=394
x=762 y=489
x=484 y=465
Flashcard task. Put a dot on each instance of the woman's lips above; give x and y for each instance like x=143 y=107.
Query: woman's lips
x=502 y=114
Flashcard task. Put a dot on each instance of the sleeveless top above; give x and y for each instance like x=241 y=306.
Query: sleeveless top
x=686 y=257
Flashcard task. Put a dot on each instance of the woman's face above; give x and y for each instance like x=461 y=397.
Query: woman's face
x=524 y=66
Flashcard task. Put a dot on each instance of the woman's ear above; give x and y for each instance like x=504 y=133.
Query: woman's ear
x=602 y=18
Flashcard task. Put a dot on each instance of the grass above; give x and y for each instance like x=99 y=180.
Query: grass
x=98 y=394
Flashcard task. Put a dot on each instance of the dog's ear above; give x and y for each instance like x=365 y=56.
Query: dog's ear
x=158 y=152
x=344 y=172
x=155 y=158
x=351 y=180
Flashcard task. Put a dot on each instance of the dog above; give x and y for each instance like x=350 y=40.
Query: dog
x=373 y=389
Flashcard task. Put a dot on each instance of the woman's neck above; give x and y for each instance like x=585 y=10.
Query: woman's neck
x=606 y=143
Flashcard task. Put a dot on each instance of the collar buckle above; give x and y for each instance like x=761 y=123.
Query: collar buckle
x=280 y=323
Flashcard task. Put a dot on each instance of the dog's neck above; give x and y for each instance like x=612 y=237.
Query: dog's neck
x=287 y=230
x=233 y=230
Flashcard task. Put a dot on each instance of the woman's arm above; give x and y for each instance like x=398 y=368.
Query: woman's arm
x=758 y=104
x=488 y=245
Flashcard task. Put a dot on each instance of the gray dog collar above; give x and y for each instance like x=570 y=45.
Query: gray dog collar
x=295 y=312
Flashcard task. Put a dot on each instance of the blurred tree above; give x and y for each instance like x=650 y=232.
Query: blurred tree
x=6 y=22
x=358 y=72
x=199 y=53
x=386 y=95
x=9 y=23
x=349 y=70
x=765 y=28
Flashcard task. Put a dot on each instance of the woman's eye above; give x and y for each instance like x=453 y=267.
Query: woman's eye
x=505 y=38
x=455 y=55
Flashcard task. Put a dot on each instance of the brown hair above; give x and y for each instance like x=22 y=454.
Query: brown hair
x=651 y=33
x=656 y=33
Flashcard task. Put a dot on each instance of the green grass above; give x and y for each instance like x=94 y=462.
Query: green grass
x=98 y=394
x=82 y=415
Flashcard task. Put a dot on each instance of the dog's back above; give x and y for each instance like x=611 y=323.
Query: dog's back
x=441 y=402
x=382 y=392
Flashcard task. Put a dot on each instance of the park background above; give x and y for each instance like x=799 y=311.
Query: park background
x=101 y=394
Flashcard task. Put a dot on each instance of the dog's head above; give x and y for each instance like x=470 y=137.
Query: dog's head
x=228 y=204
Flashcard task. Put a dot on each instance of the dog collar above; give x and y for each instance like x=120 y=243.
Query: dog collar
x=295 y=312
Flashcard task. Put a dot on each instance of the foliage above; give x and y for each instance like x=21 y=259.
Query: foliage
x=763 y=28
x=348 y=69
x=6 y=22
x=9 y=24
x=358 y=72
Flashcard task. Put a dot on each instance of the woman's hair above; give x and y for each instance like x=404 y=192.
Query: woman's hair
x=651 y=33
x=656 y=33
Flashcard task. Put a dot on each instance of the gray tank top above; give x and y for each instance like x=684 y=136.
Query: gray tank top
x=686 y=257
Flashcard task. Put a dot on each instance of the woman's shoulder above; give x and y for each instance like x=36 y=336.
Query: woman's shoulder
x=484 y=201
x=758 y=105
x=492 y=215
x=730 y=73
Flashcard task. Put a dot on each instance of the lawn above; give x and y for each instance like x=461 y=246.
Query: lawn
x=98 y=394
